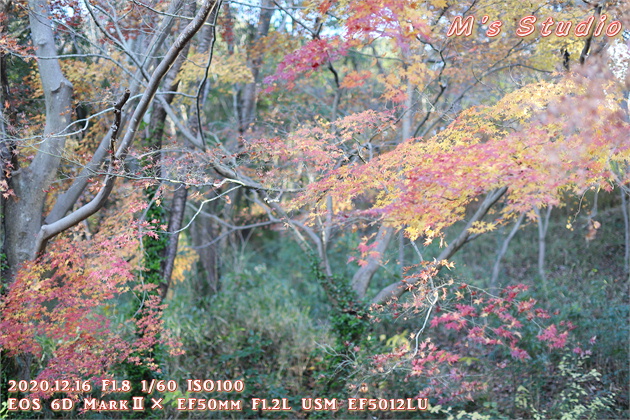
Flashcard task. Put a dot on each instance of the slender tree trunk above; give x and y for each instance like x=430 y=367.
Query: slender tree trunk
x=156 y=249
x=202 y=231
x=178 y=209
x=503 y=250
x=407 y=118
x=626 y=223
x=203 y=236
x=543 y=225
x=248 y=97
x=4 y=183
x=363 y=276
x=401 y=254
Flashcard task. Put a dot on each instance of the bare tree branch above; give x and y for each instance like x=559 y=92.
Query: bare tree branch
x=49 y=230
x=362 y=277
x=395 y=290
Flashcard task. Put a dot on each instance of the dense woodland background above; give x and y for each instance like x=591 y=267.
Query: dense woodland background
x=321 y=198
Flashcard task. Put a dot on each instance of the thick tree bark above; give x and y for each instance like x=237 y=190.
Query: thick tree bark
x=25 y=232
x=24 y=214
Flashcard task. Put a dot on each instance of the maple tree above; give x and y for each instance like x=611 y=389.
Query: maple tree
x=525 y=150
x=529 y=149
x=32 y=216
x=61 y=309
x=362 y=121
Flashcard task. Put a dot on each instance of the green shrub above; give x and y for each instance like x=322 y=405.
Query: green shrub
x=257 y=328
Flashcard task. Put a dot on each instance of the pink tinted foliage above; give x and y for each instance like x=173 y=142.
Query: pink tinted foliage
x=519 y=354
x=397 y=20
x=553 y=337
x=60 y=309
x=302 y=62
x=319 y=145
x=460 y=336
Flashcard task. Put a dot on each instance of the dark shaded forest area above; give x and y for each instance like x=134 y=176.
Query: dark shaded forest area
x=314 y=209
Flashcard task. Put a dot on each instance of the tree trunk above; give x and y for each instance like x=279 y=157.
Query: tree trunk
x=626 y=224
x=363 y=276
x=24 y=214
x=543 y=224
x=8 y=160
x=157 y=250
x=203 y=236
x=178 y=209
x=503 y=250
x=247 y=108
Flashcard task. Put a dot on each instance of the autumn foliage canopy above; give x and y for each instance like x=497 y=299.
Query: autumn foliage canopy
x=144 y=144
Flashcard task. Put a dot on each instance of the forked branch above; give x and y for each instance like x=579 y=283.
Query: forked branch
x=397 y=289
x=47 y=231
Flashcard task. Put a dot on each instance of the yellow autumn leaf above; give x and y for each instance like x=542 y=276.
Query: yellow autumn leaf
x=440 y=4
